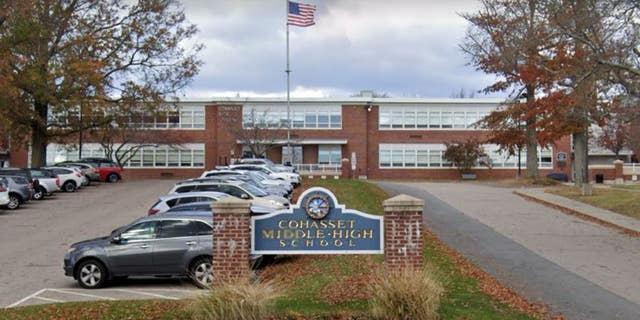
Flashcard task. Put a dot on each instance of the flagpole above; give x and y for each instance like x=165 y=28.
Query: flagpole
x=288 y=71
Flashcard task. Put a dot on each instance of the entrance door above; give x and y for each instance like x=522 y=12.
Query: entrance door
x=294 y=157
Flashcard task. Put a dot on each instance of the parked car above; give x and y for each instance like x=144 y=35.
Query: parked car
x=22 y=172
x=256 y=176
x=20 y=191
x=167 y=202
x=205 y=206
x=267 y=162
x=4 y=191
x=109 y=171
x=231 y=175
x=292 y=178
x=90 y=171
x=179 y=244
x=70 y=178
x=48 y=183
x=237 y=189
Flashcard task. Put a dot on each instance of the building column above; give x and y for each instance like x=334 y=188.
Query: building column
x=231 y=239
x=403 y=241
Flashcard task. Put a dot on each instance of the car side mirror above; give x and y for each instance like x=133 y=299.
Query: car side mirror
x=116 y=239
x=244 y=196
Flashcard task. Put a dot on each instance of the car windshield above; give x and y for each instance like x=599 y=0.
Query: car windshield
x=254 y=190
x=255 y=176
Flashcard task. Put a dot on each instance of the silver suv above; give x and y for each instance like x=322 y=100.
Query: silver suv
x=179 y=244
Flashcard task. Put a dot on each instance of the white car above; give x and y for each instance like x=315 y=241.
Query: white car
x=169 y=201
x=4 y=191
x=292 y=178
x=70 y=178
x=267 y=162
x=48 y=183
x=254 y=175
x=238 y=189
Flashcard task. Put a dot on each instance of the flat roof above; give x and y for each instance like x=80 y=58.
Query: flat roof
x=354 y=100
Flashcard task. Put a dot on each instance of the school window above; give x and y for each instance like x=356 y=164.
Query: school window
x=302 y=117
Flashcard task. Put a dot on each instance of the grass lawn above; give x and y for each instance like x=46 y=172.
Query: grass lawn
x=329 y=287
x=624 y=199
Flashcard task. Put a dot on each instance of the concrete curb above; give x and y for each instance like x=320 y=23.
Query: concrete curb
x=579 y=214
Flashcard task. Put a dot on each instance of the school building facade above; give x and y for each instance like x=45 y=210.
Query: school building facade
x=376 y=138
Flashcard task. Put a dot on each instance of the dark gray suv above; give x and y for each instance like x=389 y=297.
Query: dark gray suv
x=179 y=244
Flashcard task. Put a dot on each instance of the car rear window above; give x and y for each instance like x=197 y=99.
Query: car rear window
x=185 y=189
x=20 y=180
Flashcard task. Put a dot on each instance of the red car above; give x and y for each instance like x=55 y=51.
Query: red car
x=109 y=171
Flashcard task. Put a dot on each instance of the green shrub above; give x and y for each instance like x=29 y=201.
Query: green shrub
x=240 y=300
x=409 y=294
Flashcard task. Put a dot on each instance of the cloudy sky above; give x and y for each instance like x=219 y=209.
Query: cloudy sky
x=406 y=48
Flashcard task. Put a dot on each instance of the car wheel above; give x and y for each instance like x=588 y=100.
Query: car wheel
x=200 y=272
x=69 y=186
x=91 y=274
x=112 y=177
x=14 y=202
x=39 y=193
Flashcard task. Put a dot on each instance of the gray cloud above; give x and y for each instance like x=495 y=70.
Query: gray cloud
x=405 y=48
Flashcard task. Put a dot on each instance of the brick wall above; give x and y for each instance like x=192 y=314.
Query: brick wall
x=403 y=240
x=231 y=239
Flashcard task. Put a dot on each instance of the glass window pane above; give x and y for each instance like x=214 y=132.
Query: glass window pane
x=323 y=119
x=396 y=119
x=435 y=160
x=409 y=119
x=198 y=119
x=298 y=119
x=422 y=120
x=140 y=231
x=175 y=228
x=310 y=119
x=459 y=120
x=385 y=119
x=397 y=158
x=147 y=157
x=186 y=119
x=173 y=158
x=161 y=158
x=423 y=158
x=410 y=158
x=185 y=158
x=336 y=119
x=447 y=120
x=434 y=120
x=385 y=158
x=198 y=158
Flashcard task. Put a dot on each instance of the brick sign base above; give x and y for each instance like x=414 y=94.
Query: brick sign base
x=232 y=233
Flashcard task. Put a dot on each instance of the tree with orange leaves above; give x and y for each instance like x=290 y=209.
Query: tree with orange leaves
x=59 y=55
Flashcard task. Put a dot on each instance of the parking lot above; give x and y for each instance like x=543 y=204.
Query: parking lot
x=34 y=239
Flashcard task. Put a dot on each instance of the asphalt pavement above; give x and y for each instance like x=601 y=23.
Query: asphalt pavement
x=34 y=240
x=578 y=268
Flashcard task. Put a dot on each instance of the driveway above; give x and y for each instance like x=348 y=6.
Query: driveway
x=34 y=239
x=579 y=268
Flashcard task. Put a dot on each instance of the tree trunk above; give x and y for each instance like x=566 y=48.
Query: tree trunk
x=580 y=161
x=532 y=139
x=39 y=136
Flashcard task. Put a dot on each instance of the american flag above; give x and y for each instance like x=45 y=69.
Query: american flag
x=300 y=14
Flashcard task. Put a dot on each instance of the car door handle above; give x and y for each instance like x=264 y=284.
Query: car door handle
x=190 y=243
x=144 y=246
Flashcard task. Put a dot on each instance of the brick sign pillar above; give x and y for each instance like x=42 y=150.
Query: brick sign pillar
x=231 y=239
x=619 y=167
x=403 y=233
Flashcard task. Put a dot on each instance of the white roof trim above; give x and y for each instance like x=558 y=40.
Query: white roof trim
x=305 y=141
